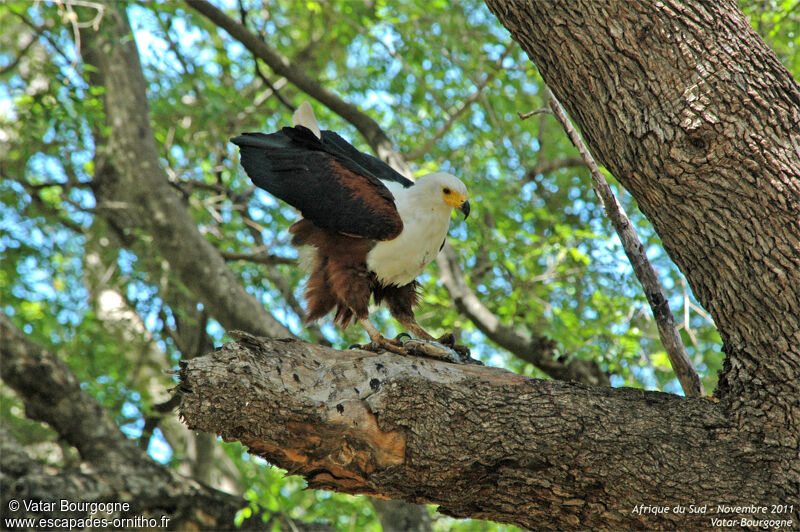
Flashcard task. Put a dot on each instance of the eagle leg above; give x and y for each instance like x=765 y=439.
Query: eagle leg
x=378 y=341
x=413 y=327
x=401 y=301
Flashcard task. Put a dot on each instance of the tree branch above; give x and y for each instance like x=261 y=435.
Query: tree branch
x=538 y=350
x=670 y=339
x=51 y=392
x=705 y=138
x=479 y=441
x=114 y=469
x=281 y=65
x=259 y=256
x=38 y=30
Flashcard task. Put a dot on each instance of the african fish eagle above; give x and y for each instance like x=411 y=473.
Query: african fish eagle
x=374 y=230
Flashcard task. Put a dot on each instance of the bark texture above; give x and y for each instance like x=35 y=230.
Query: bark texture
x=696 y=117
x=481 y=442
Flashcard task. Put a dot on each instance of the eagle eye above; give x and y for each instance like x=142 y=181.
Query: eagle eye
x=446 y=190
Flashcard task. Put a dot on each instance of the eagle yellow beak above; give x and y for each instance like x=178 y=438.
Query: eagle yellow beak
x=457 y=201
x=464 y=207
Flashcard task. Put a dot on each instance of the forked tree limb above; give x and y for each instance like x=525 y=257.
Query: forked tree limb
x=481 y=442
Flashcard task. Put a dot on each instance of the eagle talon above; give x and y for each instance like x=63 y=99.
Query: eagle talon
x=385 y=345
x=448 y=339
x=399 y=337
x=465 y=354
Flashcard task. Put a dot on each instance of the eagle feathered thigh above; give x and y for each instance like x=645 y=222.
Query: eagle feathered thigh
x=339 y=276
x=401 y=300
x=340 y=279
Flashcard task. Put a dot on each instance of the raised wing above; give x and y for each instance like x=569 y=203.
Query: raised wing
x=330 y=182
x=335 y=144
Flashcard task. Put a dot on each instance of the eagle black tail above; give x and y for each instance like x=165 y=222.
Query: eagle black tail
x=280 y=140
x=275 y=160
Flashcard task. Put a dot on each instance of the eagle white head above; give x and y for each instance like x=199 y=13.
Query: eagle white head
x=441 y=190
x=425 y=209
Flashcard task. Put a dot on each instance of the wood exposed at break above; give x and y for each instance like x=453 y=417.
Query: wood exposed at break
x=478 y=441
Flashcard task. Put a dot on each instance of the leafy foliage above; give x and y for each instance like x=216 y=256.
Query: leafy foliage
x=537 y=250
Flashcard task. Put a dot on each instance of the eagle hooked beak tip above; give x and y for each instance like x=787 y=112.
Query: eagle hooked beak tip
x=464 y=207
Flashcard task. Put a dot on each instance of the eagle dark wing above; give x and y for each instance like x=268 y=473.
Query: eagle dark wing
x=330 y=182
x=335 y=144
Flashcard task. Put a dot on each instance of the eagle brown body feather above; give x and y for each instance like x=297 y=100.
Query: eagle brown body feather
x=340 y=278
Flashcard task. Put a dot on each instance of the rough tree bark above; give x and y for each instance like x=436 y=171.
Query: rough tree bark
x=481 y=442
x=693 y=113
x=696 y=117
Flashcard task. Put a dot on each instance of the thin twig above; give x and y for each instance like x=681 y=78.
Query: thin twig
x=681 y=364
x=17 y=58
x=525 y=116
x=452 y=118
x=68 y=14
x=545 y=166
x=258 y=257
x=151 y=421
x=243 y=19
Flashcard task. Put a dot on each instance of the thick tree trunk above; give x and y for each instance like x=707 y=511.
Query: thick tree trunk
x=133 y=192
x=691 y=111
x=481 y=442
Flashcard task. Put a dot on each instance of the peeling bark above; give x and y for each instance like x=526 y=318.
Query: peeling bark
x=479 y=441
